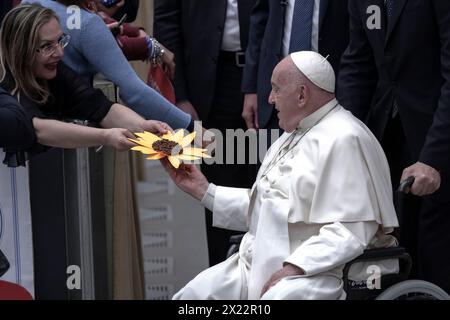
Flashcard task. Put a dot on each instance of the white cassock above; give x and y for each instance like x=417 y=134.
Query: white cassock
x=327 y=199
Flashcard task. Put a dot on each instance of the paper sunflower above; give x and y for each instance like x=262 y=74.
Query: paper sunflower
x=174 y=146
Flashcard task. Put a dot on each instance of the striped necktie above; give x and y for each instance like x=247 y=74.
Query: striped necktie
x=301 y=26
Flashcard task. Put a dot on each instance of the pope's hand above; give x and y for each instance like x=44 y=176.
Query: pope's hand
x=427 y=179
x=288 y=270
x=188 y=178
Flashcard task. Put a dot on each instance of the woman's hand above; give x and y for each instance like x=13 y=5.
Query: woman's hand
x=156 y=127
x=118 y=138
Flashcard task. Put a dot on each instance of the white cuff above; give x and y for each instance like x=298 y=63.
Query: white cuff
x=208 y=198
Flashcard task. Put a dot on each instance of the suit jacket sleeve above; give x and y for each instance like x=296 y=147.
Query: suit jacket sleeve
x=436 y=151
x=167 y=29
x=358 y=75
x=258 y=22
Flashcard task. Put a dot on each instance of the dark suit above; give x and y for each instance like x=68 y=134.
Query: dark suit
x=407 y=64
x=209 y=78
x=265 y=46
x=193 y=30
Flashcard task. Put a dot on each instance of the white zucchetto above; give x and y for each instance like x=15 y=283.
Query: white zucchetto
x=316 y=68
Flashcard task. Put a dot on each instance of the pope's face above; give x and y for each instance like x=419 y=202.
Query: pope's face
x=284 y=99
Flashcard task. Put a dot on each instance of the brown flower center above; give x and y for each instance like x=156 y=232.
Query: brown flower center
x=167 y=147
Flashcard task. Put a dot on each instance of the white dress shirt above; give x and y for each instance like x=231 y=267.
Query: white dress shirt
x=231 y=40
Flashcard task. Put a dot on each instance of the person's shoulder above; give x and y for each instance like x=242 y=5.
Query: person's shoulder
x=345 y=127
x=7 y=100
x=54 y=5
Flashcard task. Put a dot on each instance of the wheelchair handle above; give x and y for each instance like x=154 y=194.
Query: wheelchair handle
x=406 y=184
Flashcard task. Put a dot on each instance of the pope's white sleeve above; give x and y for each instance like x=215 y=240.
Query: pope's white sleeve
x=335 y=245
x=208 y=197
x=229 y=207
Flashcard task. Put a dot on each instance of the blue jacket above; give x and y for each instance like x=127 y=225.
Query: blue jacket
x=93 y=49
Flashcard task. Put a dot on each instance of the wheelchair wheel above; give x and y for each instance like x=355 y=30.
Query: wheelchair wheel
x=414 y=290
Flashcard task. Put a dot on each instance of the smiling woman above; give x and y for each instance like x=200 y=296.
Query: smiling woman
x=52 y=94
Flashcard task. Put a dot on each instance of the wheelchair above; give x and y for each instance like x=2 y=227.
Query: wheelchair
x=390 y=286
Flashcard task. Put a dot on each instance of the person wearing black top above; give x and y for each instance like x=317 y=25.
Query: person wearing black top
x=53 y=95
x=16 y=128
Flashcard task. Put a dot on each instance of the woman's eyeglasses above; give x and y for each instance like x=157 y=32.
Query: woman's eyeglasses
x=49 y=49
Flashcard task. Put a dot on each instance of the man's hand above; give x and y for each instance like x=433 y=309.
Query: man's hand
x=250 y=111
x=188 y=178
x=187 y=107
x=156 y=127
x=118 y=139
x=427 y=179
x=288 y=270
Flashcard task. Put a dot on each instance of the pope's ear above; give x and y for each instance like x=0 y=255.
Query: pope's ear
x=303 y=95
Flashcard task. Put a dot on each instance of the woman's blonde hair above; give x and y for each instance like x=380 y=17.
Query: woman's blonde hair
x=19 y=42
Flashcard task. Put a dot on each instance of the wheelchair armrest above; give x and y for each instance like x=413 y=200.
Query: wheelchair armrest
x=235 y=242
x=381 y=254
x=236 y=239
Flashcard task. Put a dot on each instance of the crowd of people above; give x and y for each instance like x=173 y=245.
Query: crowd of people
x=362 y=96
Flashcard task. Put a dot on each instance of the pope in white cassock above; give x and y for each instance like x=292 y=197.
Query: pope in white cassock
x=322 y=196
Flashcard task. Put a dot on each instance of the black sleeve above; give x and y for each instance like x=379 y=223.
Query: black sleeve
x=258 y=23
x=16 y=127
x=131 y=8
x=167 y=29
x=358 y=74
x=75 y=98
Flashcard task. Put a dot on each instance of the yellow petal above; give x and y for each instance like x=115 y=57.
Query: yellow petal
x=194 y=152
x=168 y=136
x=142 y=143
x=204 y=155
x=187 y=157
x=156 y=156
x=174 y=161
x=148 y=136
x=144 y=150
x=178 y=136
x=187 y=140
